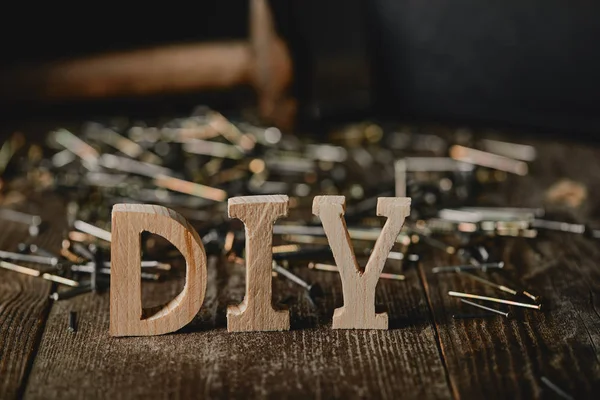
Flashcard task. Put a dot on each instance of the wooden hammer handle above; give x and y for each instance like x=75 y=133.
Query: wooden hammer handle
x=171 y=69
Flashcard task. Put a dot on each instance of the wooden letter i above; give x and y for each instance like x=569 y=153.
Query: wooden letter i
x=256 y=313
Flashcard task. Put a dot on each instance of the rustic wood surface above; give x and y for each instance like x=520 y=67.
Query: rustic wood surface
x=24 y=306
x=425 y=353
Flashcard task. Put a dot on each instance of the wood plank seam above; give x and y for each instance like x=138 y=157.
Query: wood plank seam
x=436 y=333
x=37 y=343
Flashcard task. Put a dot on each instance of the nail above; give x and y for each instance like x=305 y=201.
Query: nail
x=323 y=267
x=472 y=316
x=191 y=188
x=29 y=258
x=483 y=253
x=60 y=279
x=123 y=144
x=355 y=233
x=229 y=242
x=124 y=164
x=17 y=268
x=505 y=213
x=92 y=230
x=488 y=160
x=302 y=253
x=56 y=296
x=484 y=307
x=531 y=296
x=558 y=226
x=72 y=257
x=98 y=262
x=556 y=389
x=517 y=151
x=438 y=244
x=151 y=264
x=495 y=300
x=489 y=283
x=72 y=322
x=213 y=149
x=333 y=268
x=34 y=272
x=436 y=164
x=230 y=132
x=33 y=221
x=458 y=268
x=90 y=268
x=286 y=248
x=81 y=149
x=313 y=289
x=9 y=148
x=144 y=264
x=35 y=249
x=82 y=251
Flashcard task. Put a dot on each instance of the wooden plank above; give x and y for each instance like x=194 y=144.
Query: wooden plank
x=312 y=360
x=500 y=358
x=24 y=307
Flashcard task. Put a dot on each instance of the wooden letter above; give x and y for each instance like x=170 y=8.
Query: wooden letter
x=358 y=287
x=128 y=222
x=256 y=313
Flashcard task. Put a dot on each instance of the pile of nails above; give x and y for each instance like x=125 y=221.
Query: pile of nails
x=194 y=164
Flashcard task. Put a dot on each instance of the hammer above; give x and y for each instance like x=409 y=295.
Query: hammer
x=262 y=62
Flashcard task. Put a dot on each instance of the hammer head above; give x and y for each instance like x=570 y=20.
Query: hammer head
x=272 y=67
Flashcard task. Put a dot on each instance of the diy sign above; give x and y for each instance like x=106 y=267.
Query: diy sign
x=255 y=313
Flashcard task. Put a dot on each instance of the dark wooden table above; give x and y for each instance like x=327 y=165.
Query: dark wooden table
x=425 y=353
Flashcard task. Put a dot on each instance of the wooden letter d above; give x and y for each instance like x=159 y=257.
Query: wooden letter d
x=128 y=222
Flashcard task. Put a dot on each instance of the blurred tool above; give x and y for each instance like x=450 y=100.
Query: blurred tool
x=262 y=62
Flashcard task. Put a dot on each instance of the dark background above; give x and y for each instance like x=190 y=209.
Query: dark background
x=530 y=64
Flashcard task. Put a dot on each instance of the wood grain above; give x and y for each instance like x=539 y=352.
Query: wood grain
x=358 y=311
x=24 y=306
x=256 y=312
x=128 y=223
x=424 y=354
x=206 y=361
x=500 y=358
